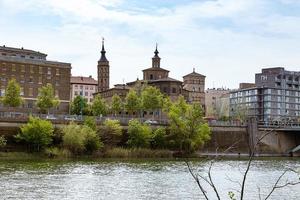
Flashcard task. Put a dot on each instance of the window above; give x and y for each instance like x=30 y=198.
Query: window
x=56 y=93
x=151 y=76
x=49 y=71
x=76 y=93
x=41 y=70
x=57 y=72
x=30 y=92
x=173 y=90
x=22 y=91
x=22 y=78
x=86 y=87
x=31 y=69
x=22 y=68
x=91 y=88
x=40 y=79
x=86 y=94
x=13 y=68
x=31 y=79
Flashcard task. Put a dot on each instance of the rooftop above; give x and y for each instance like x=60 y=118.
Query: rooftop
x=83 y=80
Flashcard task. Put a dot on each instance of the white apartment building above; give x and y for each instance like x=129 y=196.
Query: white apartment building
x=83 y=86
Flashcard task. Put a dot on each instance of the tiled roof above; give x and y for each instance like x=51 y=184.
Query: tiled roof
x=194 y=74
x=155 y=69
x=83 y=80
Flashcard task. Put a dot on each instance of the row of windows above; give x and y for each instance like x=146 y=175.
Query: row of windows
x=22 y=79
x=86 y=94
x=85 y=87
x=32 y=69
x=30 y=92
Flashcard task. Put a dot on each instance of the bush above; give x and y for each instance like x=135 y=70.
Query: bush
x=54 y=152
x=36 y=132
x=79 y=139
x=90 y=122
x=111 y=132
x=139 y=134
x=159 y=138
x=2 y=141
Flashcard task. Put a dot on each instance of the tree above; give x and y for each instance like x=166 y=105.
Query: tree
x=36 y=132
x=151 y=99
x=139 y=134
x=12 y=96
x=132 y=102
x=187 y=127
x=159 y=138
x=99 y=106
x=3 y=141
x=90 y=122
x=111 y=132
x=79 y=139
x=116 y=104
x=46 y=98
x=78 y=105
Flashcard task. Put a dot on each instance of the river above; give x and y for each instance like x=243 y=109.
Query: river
x=112 y=179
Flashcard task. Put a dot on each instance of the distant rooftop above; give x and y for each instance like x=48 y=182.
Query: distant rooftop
x=83 y=80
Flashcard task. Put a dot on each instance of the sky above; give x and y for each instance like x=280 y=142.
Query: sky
x=228 y=41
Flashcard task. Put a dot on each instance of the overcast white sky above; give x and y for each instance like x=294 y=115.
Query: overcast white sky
x=226 y=40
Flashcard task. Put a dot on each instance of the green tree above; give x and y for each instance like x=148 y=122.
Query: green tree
x=99 y=106
x=132 y=102
x=187 y=127
x=152 y=99
x=46 y=98
x=116 y=104
x=36 y=132
x=111 y=132
x=3 y=141
x=12 y=96
x=139 y=134
x=79 y=104
x=90 y=122
x=159 y=138
x=79 y=139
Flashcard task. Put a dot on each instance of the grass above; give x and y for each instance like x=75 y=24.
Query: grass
x=137 y=153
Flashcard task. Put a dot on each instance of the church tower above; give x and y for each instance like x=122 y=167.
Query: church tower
x=156 y=59
x=103 y=71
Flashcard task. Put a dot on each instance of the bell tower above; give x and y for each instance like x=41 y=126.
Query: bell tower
x=156 y=59
x=103 y=71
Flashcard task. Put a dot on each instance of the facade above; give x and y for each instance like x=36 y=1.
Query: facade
x=194 y=83
x=103 y=71
x=217 y=102
x=276 y=96
x=159 y=77
x=83 y=86
x=32 y=70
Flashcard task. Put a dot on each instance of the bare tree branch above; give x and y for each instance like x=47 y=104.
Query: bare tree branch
x=276 y=186
x=197 y=180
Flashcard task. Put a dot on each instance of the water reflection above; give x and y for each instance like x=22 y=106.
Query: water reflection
x=135 y=179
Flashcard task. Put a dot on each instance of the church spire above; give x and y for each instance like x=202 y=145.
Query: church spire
x=156 y=52
x=156 y=58
x=103 y=57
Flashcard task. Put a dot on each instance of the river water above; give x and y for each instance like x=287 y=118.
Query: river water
x=112 y=179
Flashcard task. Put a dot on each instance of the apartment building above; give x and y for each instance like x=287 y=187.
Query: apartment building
x=83 y=86
x=32 y=70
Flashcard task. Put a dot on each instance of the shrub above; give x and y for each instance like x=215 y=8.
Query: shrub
x=159 y=138
x=36 y=132
x=90 y=122
x=2 y=141
x=139 y=134
x=79 y=139
x=111 y=132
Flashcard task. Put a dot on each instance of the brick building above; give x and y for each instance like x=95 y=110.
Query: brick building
x=83 y=86
x=32 y=70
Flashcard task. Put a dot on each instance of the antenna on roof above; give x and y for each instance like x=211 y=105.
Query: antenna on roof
x=194 y=69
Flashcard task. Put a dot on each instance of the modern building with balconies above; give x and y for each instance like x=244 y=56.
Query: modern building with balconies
x=276 y=96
